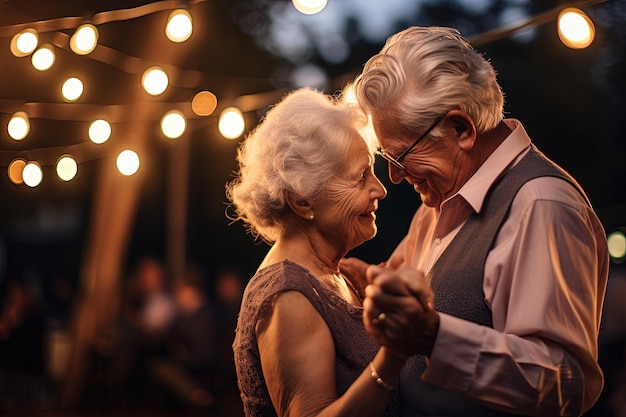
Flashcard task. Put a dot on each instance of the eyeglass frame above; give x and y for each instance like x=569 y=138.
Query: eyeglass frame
x=397 y=162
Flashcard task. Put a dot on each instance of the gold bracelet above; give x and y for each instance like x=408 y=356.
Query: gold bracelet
x=378 y=379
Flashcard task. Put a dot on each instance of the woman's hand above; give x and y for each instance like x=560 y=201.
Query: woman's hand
x=355 y=270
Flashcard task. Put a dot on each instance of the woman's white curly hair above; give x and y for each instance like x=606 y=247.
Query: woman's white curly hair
x=297 y=147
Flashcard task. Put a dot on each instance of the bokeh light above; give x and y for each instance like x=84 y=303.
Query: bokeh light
x=179 y=26
x=309 y=75
x=348 y=94
x=154 y=80
x=231 y=124
x=24 y=43
x=16 y=167
x=66 y=168
x=173 y=124
x=309 y=6
x=575 y=28
x=32 y=174
x=204 y=103
x=616 y=242
x=19 y=125
x=72 y=89
x=127 y=162
x=43 y=58
x=84 y=40
x=99 y=131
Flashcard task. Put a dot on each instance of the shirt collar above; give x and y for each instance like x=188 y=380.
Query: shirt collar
x=510 y=151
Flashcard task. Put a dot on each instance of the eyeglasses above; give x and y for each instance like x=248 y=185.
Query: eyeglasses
x=397 y=162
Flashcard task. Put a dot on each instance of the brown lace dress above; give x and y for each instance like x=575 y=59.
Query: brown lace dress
x=354 y=348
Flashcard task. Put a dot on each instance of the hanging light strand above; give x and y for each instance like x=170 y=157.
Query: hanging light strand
x=63 y=23
x=546 y=17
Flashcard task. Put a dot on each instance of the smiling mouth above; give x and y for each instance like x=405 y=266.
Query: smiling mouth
x=419 y=183
x=369 y=214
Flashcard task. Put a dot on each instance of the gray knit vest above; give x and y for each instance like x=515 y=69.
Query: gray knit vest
x=457 y=281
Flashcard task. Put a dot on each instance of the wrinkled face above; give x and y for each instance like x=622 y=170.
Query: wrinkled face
x=347 y=213
x=432 y=166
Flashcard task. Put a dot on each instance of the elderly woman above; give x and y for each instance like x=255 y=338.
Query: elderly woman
x=307 y=187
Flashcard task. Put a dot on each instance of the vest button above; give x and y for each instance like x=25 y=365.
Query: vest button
x=437 y=242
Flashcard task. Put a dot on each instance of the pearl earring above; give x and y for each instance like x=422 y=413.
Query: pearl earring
x=311 y=216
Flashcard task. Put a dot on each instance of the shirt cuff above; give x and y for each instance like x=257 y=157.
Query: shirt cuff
x=455 y=353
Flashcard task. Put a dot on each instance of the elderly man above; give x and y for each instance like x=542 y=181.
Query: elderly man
x=505 y=239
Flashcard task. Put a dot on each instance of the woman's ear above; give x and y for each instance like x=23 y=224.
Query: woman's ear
x=465 y=130
x=298 y=204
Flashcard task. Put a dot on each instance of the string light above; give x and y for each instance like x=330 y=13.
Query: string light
x=173 y=124
x=309 y=6
x=348 y=94
x=617 y=246
x=179 y=26
x=575 y=28
x=19 y=125
x=127 y=162
x=24 y=43
x=84 y=40
x=72 y=89
x=16 y=167
x=43 y=58
x=204 y=103
x=99 y=131
x=66 y=168
x=231 y=124
x=32 y=174
x=155 y=80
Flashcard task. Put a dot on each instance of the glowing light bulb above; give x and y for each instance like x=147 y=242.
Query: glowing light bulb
x=99 y=131
x=24 y=43
x=72 y=89
x=16 y=167
x=348 y=94
x=204 y=103
x=575 y=29
x=84 y=40
x=32 y=174
x=66 y=168
x=179 y=26
x=616 y=242
x=128 y=162
x=173 y=124
x=309 y=6
x=231 y=124
x=19 y=125
x=43 y=58
x=154 y=81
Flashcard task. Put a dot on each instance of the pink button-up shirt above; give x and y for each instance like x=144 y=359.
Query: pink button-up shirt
x=544 y=281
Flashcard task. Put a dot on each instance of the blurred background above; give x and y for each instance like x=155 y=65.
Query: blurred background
x=115 y=247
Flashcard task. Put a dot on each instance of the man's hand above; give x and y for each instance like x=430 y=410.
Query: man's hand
x=398 y=310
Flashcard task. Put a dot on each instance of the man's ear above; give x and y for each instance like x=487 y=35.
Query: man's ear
x=298 y=204
x=465 y=130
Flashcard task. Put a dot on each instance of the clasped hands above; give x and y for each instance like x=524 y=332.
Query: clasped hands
x=398 y=309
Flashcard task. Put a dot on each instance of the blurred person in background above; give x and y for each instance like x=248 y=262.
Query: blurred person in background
x=155 y=304
x=147 y=315
x=188 y=366
x=228 y=291
x=22 y=349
